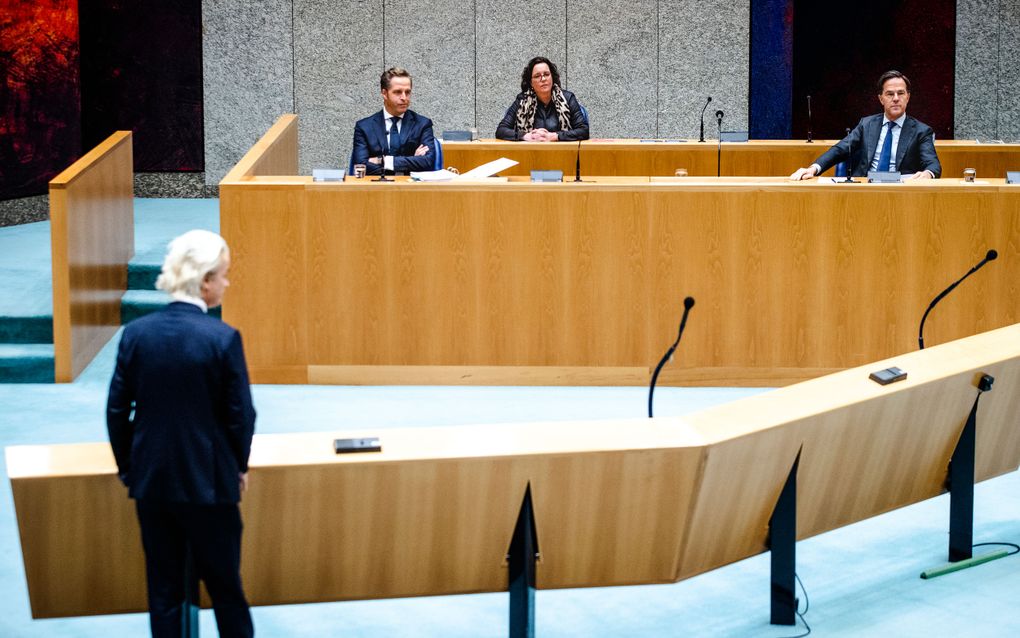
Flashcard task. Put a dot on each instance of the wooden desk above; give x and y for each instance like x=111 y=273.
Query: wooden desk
x=615 y=502
x=364 y=282
x=520 y=283
x=754 y=158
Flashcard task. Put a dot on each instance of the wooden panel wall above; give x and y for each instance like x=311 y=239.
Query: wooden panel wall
x=92 y=239
x=555 y=282
x=661 y=158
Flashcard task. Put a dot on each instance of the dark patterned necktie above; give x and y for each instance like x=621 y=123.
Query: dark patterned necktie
x=394 y=136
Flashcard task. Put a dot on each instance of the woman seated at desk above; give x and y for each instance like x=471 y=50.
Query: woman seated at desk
x=543 y=111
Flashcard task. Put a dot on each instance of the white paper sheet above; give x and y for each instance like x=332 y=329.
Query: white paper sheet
x=489 y=168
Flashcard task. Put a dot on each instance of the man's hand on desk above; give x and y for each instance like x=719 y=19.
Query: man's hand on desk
x=803 y=173
x=921 y=175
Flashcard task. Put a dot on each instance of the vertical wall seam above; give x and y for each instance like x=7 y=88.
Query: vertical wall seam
x=474 y=84
x=383 y=3
x=566 y=40
x=998 y=69
x=658 y=44
x=293 y=57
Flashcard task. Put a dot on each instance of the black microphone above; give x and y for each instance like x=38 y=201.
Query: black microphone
x=718 y=158
x=991 y=255
x=809 y=119
x=688 y=304
x=850 y=160
x=707 y=102
x=577 y=164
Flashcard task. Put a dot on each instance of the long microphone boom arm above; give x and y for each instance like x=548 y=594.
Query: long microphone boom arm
x=688 y=304
x=991 y=255
x=707 y=102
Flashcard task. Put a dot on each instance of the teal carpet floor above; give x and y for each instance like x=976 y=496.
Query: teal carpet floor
x=862 y=580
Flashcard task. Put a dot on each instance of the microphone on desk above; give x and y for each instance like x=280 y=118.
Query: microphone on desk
x=849 y=160
x=688 y=304
x=718 y=158
x=707 y=102
x=991 y=255
x=809 y=119
x=577 y=164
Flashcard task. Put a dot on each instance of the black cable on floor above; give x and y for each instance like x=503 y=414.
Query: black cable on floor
x=1016 y=548
x=800 y=614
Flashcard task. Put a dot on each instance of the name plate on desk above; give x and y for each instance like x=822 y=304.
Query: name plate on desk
x=1013 y=177
x=547 y=176
x=456 y=136
x=884 y=177
x=733 y=136
x=327 y=175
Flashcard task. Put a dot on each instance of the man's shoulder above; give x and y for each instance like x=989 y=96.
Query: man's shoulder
x=180 y=313
x=366 y=121
x=920 y=126
x=417 y=117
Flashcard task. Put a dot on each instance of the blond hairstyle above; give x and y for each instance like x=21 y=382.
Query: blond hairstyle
x=190 y=258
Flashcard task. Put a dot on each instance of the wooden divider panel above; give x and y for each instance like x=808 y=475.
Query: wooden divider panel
x=92 y=240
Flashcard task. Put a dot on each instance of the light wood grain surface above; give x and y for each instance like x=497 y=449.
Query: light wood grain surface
x=275 y=153
x=791 y=280
x=616 y=502
x=92 y=240
x=664 y=157
x=518 y=282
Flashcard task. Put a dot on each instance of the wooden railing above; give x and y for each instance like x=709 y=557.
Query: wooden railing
x=92 y=234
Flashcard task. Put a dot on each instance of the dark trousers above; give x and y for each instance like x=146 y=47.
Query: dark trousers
x=214 y=535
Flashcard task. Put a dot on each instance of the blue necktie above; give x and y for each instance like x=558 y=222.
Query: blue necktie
x=886 y=156
x=395 y=136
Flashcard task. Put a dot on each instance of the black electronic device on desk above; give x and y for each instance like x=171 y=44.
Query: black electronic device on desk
x=348 y=446
x=887 y=376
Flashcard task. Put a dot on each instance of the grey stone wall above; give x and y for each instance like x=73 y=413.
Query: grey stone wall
x=247 y=75
x=987 y=99
x=642 y=68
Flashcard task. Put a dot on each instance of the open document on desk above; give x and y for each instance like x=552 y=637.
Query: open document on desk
x=485 y=170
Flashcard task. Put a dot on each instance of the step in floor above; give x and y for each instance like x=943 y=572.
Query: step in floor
x=26 y=363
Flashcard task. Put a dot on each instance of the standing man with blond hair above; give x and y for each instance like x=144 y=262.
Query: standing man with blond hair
x=396 y=140
x=180 y=420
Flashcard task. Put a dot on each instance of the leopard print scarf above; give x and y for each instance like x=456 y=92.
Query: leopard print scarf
x=526 y=110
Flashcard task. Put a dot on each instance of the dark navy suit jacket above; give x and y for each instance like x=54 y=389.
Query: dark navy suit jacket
x=371 y=140
x=915 y=151
x=179 y=413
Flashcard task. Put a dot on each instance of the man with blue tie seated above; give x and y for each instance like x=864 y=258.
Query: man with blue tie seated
x=889 y=141
x=396 y=139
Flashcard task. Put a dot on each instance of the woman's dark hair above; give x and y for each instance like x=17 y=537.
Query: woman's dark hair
x=526 y=76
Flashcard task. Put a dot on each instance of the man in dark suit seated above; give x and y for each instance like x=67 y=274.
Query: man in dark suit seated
x=396 y=139
x=180 y=420
x=888 y=141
